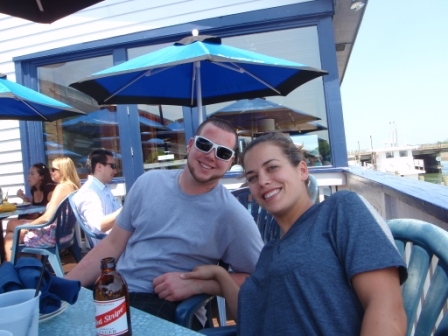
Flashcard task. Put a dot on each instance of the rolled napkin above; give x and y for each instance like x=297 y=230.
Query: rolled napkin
x=25 y=274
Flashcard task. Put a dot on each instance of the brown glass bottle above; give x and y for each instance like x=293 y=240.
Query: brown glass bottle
x=110 y=294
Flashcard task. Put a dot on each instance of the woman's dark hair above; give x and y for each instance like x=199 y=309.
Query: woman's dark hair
x=283 y=141
x=43 y=171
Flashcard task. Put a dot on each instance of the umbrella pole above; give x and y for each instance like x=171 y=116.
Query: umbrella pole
x=197 y=65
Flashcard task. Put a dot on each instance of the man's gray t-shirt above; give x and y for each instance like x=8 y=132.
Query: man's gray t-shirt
x=174 y=232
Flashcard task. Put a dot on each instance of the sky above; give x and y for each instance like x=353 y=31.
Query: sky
x=397 y=75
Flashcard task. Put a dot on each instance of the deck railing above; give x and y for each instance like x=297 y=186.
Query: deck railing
x=391 y=195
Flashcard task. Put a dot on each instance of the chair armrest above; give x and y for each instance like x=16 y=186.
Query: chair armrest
x=221 y=331
x=16 y=238
x=186 y=309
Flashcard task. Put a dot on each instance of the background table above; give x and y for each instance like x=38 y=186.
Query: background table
x=79 y=319
x=21 y=210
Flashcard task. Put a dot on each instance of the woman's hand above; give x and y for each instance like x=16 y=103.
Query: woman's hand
x=21 y=194
x=205 y=272
x=229 y=289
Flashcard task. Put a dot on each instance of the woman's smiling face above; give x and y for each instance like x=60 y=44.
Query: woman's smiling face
x=275 y=183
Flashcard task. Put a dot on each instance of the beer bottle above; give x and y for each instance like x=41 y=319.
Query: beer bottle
x=111 y=299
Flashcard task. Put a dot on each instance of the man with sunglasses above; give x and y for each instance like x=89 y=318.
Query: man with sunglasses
x=175 y=220
x=96 y=204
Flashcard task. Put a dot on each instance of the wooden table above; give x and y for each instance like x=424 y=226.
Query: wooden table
x=21 y=210
x=79 y=319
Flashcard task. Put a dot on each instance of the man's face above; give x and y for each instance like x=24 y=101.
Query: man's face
x=105 y=173
x=206 y=167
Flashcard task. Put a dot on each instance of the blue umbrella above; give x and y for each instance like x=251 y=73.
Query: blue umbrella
x=62 y=152
x=301 y=129
x=106 y=118
x=176 y=126
x=156 y=141
x=246 y=112
x=18 y=102
x=196 y=71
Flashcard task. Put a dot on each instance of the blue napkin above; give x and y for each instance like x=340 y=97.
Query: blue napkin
x=25 y=274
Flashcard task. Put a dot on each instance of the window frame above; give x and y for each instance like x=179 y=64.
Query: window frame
x=318 y=13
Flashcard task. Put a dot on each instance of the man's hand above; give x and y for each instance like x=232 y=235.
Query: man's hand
x=171 y=287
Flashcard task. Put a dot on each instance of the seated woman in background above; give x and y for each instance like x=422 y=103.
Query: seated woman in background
x=334 y=271
x=42 y=186
x=63 y=173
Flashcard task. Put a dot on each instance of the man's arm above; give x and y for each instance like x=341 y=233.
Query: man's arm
x=380 y=294
x=108 y=221
x=91 y=210
x=88 y=269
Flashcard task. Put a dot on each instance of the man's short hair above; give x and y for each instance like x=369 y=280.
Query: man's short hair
x=97 y=156
x=222 y=124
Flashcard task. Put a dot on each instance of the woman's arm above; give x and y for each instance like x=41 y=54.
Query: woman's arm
x=60 y=192
x=229 y=288
x=380 y=294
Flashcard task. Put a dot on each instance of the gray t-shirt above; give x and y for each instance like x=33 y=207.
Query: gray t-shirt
x=302 y=282
x=174 y=232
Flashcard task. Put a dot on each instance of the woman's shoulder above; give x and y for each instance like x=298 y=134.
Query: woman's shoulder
x=343 y=195
x=66 y=187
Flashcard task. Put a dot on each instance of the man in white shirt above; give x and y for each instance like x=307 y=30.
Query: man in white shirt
x=96 y=204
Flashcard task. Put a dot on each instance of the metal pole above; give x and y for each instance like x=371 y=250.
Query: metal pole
x=199 y=91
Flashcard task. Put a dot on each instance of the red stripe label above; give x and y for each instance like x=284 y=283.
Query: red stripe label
x=111 y=316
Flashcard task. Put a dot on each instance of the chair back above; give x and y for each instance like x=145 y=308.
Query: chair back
x=90 y=235
x=65 y=221
x=424 y=247
x=266 y=223
x=65 y=238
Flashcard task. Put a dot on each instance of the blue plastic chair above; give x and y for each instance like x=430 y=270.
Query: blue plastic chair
x=424 y=241
x=87 y=231
x=65 y=238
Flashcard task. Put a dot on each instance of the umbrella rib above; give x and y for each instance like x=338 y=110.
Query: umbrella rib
x=39 y=4
x=32 y=108
x=242 y=70
x=148 y=73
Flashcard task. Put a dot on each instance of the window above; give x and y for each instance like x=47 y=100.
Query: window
x=162 y=128
x=299 y=45
x=76 y=137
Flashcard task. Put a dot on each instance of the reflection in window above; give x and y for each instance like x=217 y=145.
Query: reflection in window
x=163 y=143
x=403 y=153
x=162 y=136
x=76 y=137
x=299 y=45
x=389 y=155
